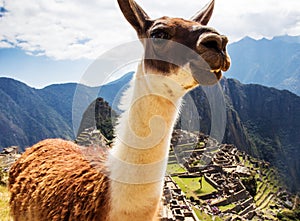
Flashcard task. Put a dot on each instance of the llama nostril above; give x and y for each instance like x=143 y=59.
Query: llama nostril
x=213 y=41
x=212 y=44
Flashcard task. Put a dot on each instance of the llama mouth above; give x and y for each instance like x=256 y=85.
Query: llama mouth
x=224 y=62
x=218 y=73
x=205 y=75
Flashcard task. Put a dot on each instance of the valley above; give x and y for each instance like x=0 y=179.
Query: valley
x=205 y=180
x=222 y=183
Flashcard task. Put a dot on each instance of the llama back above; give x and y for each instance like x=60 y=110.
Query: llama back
x=57 y=180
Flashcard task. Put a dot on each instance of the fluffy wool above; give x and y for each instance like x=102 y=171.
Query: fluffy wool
x=56 y=180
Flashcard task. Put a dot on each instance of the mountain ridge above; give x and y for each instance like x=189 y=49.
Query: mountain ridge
x=29 y=115
x=271 y=123
x=23 y=109
x=262 y=121
x=272 y=63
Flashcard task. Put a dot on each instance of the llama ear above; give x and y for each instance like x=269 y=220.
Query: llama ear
x=134 y=14
x=204 y=15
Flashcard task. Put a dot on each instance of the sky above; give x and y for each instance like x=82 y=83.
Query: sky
x=76 y=32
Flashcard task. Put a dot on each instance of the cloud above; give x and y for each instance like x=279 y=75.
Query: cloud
x=61 y=29
x=74 y=29
x=259 y=19
x=5 y=44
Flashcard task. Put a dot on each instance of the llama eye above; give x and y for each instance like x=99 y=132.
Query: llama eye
x=160 y=34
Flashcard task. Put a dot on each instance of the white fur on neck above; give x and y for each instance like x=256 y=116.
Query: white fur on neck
x=138 y=162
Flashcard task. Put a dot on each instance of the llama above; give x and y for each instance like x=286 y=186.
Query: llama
x=56 y=179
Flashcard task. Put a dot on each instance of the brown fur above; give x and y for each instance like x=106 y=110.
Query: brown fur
x=53 y=180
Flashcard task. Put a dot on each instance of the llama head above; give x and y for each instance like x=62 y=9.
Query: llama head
x=187 y=51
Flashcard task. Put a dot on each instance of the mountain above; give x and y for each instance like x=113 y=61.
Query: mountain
x=113 y=91
x=99 y=115
x=71 y=100
x=273 y=63
x=60 y=98
x=268 y=122
x=28 y=115
x=25 y=117
x=261 y=121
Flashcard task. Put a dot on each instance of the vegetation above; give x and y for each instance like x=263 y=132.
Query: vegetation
x=204 y=216
x=1 y=176
x=4 y=199
x=175 y=168
x=191 y=186
x=105 y=118
x=4 y=193
x=100 y=115
x=226 y=207
x=289 y=215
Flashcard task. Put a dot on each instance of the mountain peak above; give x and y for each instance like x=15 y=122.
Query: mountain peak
x=287 y=39
x=280 y=38
x=125 y=78
x=247 y=39
x=6 y=82
x=270 y=62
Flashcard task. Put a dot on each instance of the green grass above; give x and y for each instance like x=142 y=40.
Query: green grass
x=188 y=146
x=265 y=195
x=191 y=186
x=226 y=207
x=175 y=168
x=4 y=208
x=202 y=216
x=205 y=217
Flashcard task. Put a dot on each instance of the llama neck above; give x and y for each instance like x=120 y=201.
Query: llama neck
x=138 y=160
